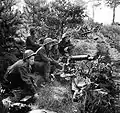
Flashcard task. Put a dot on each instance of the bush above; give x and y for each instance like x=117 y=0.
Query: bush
x=83 y=47
x=112 y=35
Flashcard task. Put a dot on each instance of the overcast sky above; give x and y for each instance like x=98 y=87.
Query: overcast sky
x=102 y=13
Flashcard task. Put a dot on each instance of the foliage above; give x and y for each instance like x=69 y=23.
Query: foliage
x=9 y=22
x=52 y=97
x=51 y=19
x=98 y=95
x=83 y=47
x=111 y=34
x=111 y=3
x=103 y=42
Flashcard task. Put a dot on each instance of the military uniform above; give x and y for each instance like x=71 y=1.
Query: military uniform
x=54 y=53
x=18 y=77
x=30 y=43
x=62 y=45
x=44 y=59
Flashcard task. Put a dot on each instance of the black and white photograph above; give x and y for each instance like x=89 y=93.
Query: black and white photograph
x=59 y=56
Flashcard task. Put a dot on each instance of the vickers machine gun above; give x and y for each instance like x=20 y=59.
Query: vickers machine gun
x=69 y=69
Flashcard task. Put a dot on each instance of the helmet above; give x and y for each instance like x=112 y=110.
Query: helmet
x=48 y=41
x=66 y=35
x=55 y=41
x=27 y=54
x=32 y=30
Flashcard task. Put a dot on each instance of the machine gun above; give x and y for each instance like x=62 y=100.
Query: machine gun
x=81 y=57
x=69 y=59
x=69 y=67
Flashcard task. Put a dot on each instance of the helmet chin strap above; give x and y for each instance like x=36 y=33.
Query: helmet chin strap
x=28 y=65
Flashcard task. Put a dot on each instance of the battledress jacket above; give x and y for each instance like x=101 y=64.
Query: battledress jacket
x=30 y=44
x=63 y=44
x=18 y=75
x=43 y=56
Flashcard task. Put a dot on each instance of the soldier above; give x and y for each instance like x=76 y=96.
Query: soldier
x=18 y=74
x=65 y=45
x=54 y=53
x=31 y=41
x=44 y=58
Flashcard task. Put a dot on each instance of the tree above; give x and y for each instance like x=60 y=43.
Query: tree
x=54 y=17
x=10 y=21
x=79 y=2
x=113 y=4
x=95 y=3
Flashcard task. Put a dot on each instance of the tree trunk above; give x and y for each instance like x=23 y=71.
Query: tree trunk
x=114 y=7
x=93 y=12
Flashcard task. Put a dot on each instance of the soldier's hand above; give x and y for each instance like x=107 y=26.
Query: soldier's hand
x=66 y=49
x=90 y=58
x=36 y=95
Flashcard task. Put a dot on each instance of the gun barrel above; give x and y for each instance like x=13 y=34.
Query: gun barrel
x=79 y=57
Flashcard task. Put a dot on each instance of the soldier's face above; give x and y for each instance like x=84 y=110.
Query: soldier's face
x=56 y=46
x=31 y=60
x=67 y=39
x=49 y=46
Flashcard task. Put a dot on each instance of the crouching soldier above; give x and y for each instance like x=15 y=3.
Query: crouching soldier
x=44 y=58
x=65 y=46
x=18 y=74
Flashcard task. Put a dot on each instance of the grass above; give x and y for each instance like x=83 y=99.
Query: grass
x=57 y=98
x=54 y=98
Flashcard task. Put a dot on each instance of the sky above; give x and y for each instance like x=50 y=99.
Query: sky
x=102 y=14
